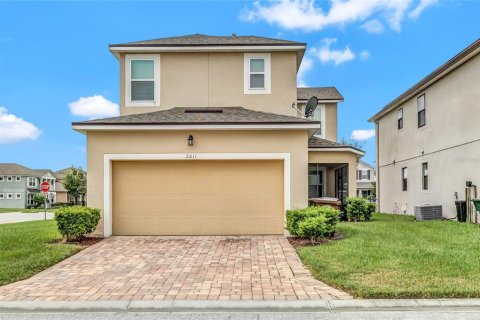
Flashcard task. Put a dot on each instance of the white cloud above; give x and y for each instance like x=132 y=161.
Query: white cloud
x=307 y=16
x=14 y=129
x=94 y=107
x=415 y=13
x=307 y=65
x=364 y=55
x=373 y=26
x=362 y=135
x=326 y=54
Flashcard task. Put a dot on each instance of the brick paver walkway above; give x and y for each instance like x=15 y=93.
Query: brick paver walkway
x=167 y=268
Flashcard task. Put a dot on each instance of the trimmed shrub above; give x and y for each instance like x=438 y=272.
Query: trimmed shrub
x=77 y=222
x=296 y=216
x=372 y=208
x=358 y=209
x=38 y=199
x=313 y=228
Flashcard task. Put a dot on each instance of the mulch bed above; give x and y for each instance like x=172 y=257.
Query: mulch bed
x=84 y=242
x=301 y=242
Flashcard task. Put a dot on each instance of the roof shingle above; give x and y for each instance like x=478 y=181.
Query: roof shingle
x=316 y=142
x=322 y=93
x=210 y=115
x=206 y=40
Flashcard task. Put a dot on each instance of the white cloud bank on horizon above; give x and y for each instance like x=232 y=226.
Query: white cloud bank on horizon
x=14 y=129
x=94 y=107
x=363 y=135
x=305 y=15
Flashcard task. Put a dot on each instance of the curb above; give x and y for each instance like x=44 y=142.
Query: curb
x=240 y=306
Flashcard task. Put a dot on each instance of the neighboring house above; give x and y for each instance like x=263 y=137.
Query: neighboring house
x=19 y=184
x=62 y=193
x=366 y=178
x=208 y=142
x=428 y=138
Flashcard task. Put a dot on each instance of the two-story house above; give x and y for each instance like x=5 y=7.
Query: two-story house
x=62 y=194
x=19 y=184
x=209 y=140
x=428 y=138
x=366 y=180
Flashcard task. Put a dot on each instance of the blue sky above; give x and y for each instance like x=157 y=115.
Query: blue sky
x=54 y=53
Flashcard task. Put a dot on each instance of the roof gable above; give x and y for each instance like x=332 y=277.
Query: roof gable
x=322 y=93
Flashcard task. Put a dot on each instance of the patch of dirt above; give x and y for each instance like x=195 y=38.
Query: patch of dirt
x=301 y=242
x=84 y=242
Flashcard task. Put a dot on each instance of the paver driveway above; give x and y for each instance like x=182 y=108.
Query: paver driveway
x=167 y=268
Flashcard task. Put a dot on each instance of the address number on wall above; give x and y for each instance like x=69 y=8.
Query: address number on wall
x=191 y=156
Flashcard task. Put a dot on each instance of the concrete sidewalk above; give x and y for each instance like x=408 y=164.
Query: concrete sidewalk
x=12 y=217
x=182 y=306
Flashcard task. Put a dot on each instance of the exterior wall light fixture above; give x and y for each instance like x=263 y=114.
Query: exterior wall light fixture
x=190 y=140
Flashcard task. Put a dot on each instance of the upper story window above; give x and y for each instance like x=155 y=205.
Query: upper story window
x=404 y=179
x=142 y=80
x=17 y=178
x=363 y=174
x=421 y=110
x=319 y=115
x=9 y=178
x=1 y=179
x=400 y=118
x=257 y=73
x=32 y=182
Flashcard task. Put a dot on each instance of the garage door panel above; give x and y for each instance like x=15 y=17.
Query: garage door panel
x=197 y=197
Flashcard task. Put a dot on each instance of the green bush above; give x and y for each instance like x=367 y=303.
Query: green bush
x=76 y=222
x=358 y=209
x=313 y=228
x=38 y=199
x=296 y=216
x=372 y=208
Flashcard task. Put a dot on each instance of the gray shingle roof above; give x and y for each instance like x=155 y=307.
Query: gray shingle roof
x=322 y=93
x=206 y=40
x=198 y=115
x=316 y=142
x=16 y=169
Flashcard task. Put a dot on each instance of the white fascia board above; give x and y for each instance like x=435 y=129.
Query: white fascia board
x=192 y=127
x=360 y=153
x=320 y=101
x=206 y=48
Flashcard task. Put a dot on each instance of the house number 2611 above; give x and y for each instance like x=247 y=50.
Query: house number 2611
x=191 y=156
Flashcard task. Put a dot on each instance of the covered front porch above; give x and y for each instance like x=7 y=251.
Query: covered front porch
x=332 y=171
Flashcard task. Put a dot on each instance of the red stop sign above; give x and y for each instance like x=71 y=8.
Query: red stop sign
x=45 y=186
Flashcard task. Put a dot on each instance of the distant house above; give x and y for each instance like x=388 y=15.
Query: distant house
x=19 y=184
x=428 y=138
x=366 y=179
x=62 y=193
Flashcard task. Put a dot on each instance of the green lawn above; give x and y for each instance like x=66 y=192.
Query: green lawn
x=395 y=257
x=5 y=210
x=25 y=249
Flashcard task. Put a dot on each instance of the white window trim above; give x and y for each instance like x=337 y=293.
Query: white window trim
x=2 y=178
x=18 y=196
x=18 y=178
x=34 y=182
x=2 y=196
x=9 y=196
x=127 y=86
x=323 y=123
x=246 y=73
x=9 y=178
x=109 y=158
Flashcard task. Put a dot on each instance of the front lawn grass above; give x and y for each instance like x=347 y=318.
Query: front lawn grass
x=395 y=257
x=26 y=248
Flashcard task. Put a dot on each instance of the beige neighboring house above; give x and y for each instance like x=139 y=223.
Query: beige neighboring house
x=428 y=138
x=366 y=180
x=207 y=141
x=62 y=193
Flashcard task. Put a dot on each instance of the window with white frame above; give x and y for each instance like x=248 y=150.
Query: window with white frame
x=142 y=85
x=9 y=178
x=257 y=74
x=17 y=178
x=400 y=118
x=9 y=196
x=18 y=196
x=2 y=179
x=421 y=110
x=319 y=115
x=32 y=182
x=2 y=196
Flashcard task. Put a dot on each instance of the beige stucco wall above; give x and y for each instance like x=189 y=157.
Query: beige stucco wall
x=293 y=142
x=337 y=157
x=330 y=121
x=452 y=119
x=217 y=80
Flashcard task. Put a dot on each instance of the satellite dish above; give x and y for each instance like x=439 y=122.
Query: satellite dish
x=310 y=107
